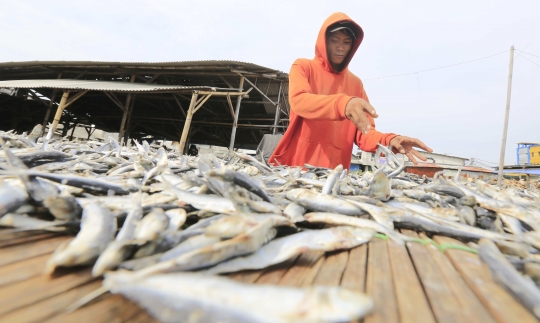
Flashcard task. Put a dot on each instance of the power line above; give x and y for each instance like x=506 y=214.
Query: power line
x=435 y=68
x=528 y=53
x=530 y=61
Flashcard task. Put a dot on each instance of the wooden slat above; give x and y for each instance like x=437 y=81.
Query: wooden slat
x=379 y=284
x=444 y=304
x=141 y=317
x=471 y=308
x=115 y=308
x=248 y=276
x=25 y=239
x=304 y=270
x=354 y=276
x=26 y=251
x=501 y=305
x=8 y=234
x=332 y=268
x=273 y=274
x=39 y=288
x=411 y=300
x=22 y=270
x=50 y=307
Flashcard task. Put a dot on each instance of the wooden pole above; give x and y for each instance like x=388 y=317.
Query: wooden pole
x=58 y=114
x=278 y=110
x=188 y=122
x=236 y=113
x=125 y=114
x=507 y=114
x=129 y=126
x=49 y=108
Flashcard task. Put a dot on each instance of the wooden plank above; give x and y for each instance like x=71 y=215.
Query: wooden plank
x=379 y=284
x=27 y=251
x=8 y=234
x=354 y=276
x=23 y=270
x=115 y=308
x=411 y=301
x=141 y=317
x=247 y=276
x=273 y=274
x=443 y=302
x=50 y=307
x=39 y=288
x=304 y=270
x=332 y=268
x=471 y=308
x=26 y=239
x=501 y=305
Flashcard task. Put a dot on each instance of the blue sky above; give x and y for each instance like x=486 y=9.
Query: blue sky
x=457 y=110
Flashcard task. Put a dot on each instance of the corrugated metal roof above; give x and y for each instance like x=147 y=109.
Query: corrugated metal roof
x=190 y=65
x=94 y=85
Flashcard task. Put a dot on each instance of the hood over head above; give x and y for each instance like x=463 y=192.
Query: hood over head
x=320 y=47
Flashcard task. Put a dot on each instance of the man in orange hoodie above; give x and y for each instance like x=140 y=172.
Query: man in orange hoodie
x=329 y=107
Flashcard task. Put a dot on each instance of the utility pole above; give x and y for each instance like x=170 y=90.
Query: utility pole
x=505 y=131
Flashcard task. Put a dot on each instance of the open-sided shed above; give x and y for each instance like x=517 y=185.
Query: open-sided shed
x=225 y=102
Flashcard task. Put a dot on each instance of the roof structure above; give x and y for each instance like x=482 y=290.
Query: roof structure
x=94 y=85
x=157 y=96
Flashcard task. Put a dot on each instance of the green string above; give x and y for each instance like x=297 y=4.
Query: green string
x=441 y=247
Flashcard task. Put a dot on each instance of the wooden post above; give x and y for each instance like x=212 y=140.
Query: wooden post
x=128 y=128
x=237 y=112
x=48 y=113
x=125 y=114
x=278 y=109
x=58 y=114
x=188 y=122
x=507 y=114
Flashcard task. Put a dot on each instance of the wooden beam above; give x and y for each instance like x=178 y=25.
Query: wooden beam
x=231 y=106
x=202 y=102
x=75 y=98
x=37 y=98
x=178 y=102
x=58 y=114
x=121 y=132
x=224 y=80
x=188 y=122
x=114 y=99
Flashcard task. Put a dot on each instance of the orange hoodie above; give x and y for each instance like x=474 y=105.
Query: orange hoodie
x=319 y=133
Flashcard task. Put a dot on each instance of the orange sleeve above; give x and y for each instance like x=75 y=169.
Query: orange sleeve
x=313 y=106
x=369 y=142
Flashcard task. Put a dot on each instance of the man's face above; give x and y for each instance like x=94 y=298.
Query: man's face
x=338 y=45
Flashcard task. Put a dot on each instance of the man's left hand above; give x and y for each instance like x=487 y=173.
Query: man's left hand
x=406 y=145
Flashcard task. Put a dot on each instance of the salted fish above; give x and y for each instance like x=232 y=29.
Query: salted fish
x=322 y=202
x=504 y=273
x=285 y=248
x=192 y=297
x=98 y=227
x=340 y=219
x=242 y=244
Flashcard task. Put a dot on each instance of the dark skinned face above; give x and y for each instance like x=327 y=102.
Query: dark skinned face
x=338 y=45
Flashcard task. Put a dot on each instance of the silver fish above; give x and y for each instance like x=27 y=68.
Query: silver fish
x=180 y=296
x=285 y=248
x=98 y=227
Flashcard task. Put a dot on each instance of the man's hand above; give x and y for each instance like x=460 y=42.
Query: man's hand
x=356 y=112
x=405 y=146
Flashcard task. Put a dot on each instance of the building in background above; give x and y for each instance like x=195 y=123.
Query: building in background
x=528 y=153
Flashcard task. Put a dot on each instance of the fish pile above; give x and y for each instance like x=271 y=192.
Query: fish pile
x=162 y=227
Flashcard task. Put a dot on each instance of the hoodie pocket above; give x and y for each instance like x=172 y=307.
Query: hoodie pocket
x=301 y=151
